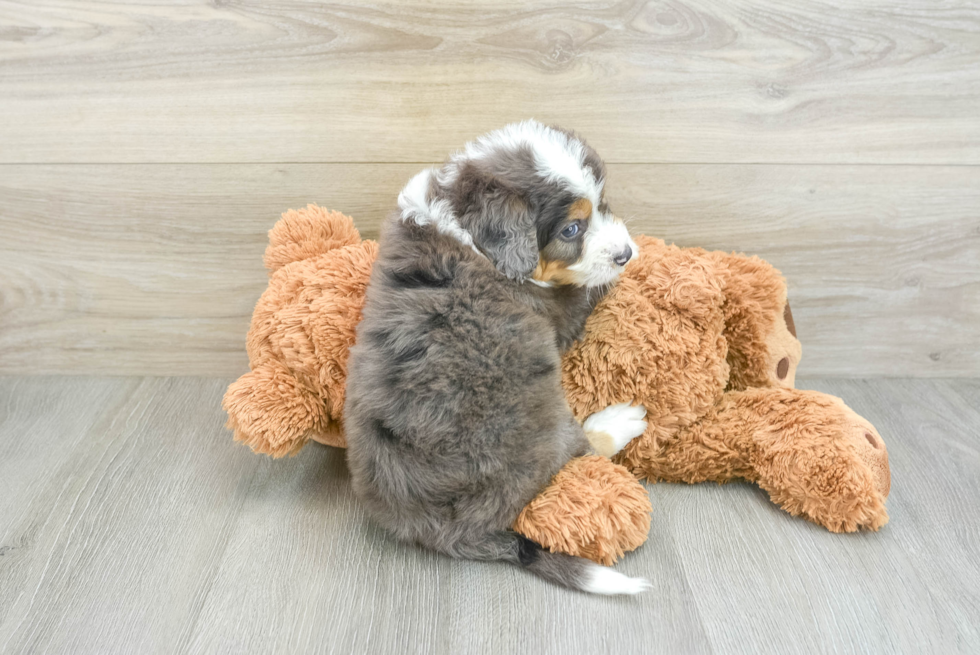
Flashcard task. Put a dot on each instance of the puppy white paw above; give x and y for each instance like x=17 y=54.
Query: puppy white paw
x=611 y=429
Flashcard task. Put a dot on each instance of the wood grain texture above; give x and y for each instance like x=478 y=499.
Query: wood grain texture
x=131 y=522
x=155 y=269
x=794 y=81
x=99 y=547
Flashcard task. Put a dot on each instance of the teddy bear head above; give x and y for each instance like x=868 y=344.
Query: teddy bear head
x=301 y=333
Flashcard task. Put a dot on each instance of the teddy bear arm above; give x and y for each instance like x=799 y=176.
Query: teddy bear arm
x=273 y=413
x=592 y=508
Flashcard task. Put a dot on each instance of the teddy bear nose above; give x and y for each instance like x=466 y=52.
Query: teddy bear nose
x=623 y=257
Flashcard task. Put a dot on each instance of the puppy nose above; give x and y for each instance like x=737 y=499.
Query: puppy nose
x=623 y=257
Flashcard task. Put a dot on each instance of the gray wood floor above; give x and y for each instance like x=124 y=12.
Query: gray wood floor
x=130 y=522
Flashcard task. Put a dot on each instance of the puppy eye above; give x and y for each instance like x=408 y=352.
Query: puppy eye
x=570 y=231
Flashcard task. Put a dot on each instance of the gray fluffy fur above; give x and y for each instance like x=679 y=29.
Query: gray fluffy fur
x=455 y=414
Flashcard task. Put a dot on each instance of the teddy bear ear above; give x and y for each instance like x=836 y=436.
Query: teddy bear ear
x=305 y=233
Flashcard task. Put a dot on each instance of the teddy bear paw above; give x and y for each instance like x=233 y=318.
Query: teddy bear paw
x=827 y=463
x=784 y=351
x=870 y=448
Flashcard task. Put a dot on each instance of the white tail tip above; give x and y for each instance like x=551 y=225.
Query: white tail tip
x=602 y=580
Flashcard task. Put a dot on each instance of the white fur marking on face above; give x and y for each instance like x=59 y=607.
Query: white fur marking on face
x=557 y=157
x=540 y=283
x=605 y=238
x=417 y=205
x=622 y=422
x=602 y=580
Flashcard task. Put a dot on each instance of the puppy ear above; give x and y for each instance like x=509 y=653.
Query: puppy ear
x=507 y=235
x=501 y=225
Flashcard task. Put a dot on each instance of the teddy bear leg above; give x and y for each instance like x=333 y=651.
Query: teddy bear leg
x=272 y=413
x=592 y=508
x=763 y=350
x=815 y=456
x=818 y=459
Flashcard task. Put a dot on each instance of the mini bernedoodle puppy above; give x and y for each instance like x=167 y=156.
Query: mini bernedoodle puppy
x=455 y=415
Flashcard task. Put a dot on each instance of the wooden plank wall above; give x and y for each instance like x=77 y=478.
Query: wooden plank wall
x=146 y=148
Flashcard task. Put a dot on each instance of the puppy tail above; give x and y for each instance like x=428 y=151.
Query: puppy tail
x=558 y=568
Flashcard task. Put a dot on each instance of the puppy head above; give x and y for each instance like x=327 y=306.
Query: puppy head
x=530 y=198
x=584 y=245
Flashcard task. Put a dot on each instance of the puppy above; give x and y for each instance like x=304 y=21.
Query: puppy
x=455 y=415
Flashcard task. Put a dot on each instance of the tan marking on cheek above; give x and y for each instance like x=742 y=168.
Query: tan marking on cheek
x=554 y=271
x=580 y=210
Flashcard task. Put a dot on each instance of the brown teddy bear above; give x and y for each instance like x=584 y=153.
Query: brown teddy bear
x=704 y=340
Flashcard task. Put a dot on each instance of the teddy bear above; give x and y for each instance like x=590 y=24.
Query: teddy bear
x=704 y=340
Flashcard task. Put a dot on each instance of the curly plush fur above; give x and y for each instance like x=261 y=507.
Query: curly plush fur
x=697 y=337
x=302 y=330
x=704 y=341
